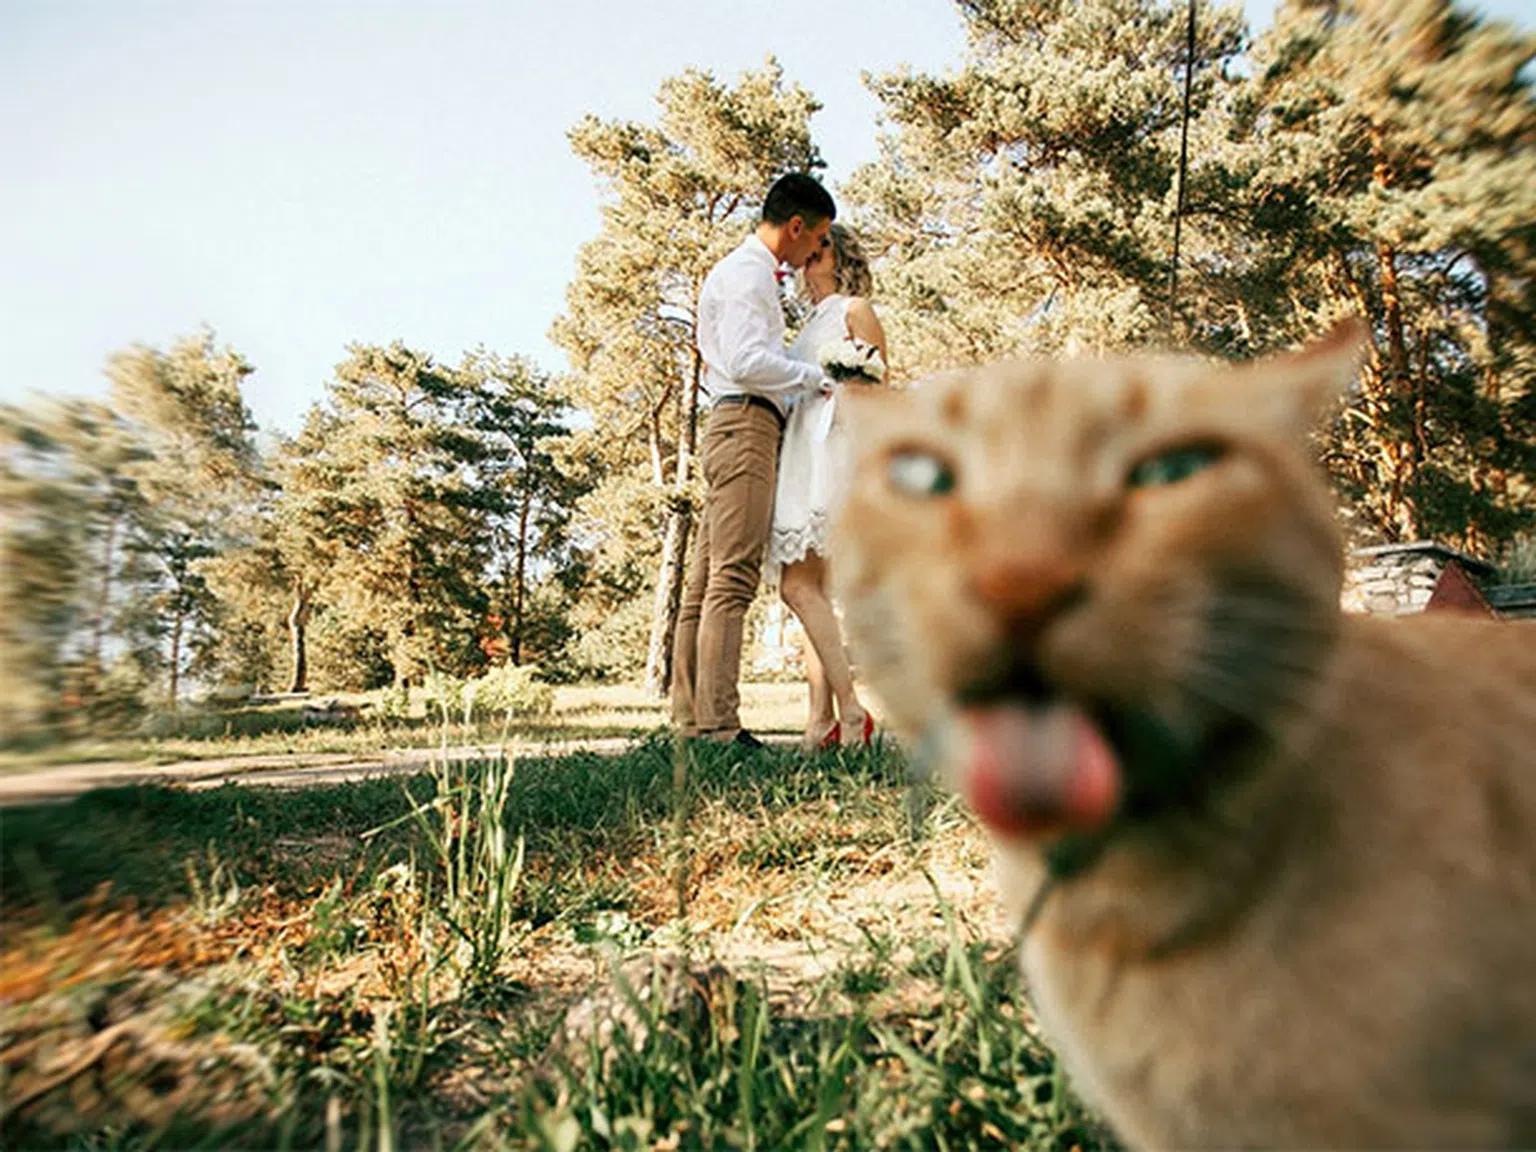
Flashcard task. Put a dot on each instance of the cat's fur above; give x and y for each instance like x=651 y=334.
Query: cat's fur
x=1311 y=919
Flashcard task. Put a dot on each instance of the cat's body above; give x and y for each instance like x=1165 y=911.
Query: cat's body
x=1295 y=853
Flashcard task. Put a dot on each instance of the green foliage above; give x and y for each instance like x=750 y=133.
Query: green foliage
x=212 y=892
x=613 y=648
x=140 y=837
x=965 y=1071
x=1518 y=564
x=510 y=691
x=1367 y=158
x=1023 y=202
x=426 y=885
x=420 y=508
x=44 y=563
x=531 y=491
x=1401 y=135
x=200 y=467
x=504 y=693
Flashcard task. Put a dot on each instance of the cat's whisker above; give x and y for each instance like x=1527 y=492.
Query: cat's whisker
x=1272 y=655
x=1268 y=671
x=1236 y=695
x=1219 y=595
x=1225 y=611
x=1212 y=684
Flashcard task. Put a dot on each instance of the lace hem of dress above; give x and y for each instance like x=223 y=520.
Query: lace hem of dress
x=791 y=545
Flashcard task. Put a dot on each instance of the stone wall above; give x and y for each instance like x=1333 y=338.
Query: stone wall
x=1400 y=579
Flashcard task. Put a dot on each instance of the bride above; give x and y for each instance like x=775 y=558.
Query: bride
x=810 y=476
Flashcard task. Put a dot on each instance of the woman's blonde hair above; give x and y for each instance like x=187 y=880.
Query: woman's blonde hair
x=853 y=274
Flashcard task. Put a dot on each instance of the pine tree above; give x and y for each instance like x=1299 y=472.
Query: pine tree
x=383 y=476
x=1367 y=158
x=1402 y=139
x=523 y=418
x=72 y=506
x=187 y=409
x=1024 y=202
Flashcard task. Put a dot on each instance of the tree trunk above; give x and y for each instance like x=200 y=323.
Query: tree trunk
x=176 y=627
x=669 y=595
x=674 y=551
x=653 y=444
x=1405 y=461
x=103 y=603
x=1404 y=458
x=1490 y=476
x=298 y=621
x=520 y=578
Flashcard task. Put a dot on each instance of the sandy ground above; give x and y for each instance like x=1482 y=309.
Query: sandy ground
x=294 y=770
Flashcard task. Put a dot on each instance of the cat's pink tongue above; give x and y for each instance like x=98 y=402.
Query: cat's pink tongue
x=1038 y=771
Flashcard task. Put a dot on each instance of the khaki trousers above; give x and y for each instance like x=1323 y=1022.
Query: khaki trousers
x=740 y=456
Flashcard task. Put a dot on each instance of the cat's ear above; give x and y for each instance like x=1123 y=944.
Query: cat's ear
x=1307 y=384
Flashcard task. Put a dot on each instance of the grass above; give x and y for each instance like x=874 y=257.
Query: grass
x=283 y=728
x=576 y=953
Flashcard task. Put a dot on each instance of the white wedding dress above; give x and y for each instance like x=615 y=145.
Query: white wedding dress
x=812 y=460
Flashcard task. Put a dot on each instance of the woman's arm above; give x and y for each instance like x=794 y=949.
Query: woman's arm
x=864 y=325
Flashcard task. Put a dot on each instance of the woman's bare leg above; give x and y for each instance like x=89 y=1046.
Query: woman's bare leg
x=821 y=716
x=804 y=588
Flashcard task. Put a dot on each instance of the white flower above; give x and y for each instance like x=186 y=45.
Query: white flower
x=852 y=359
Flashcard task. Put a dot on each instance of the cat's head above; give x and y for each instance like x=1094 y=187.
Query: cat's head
x=1095 y=586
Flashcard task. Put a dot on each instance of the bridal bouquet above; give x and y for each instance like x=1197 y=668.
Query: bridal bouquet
x=853 y=359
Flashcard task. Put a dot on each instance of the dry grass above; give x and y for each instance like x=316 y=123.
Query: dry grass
x=298 y=982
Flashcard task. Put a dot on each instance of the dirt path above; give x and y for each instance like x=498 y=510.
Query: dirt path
x=286 y=770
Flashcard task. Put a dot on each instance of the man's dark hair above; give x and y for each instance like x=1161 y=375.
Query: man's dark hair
x=798 y=194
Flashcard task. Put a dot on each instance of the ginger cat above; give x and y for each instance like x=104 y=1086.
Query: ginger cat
x=1291 y=855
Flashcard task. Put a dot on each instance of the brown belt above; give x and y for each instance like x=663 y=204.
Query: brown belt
x=752 y=402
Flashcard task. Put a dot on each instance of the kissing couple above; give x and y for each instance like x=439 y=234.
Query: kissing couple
x=772 y=454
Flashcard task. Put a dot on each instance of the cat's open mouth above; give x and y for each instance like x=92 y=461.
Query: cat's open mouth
x=1033 y=763
x=1038 y=769
x=1037 y=764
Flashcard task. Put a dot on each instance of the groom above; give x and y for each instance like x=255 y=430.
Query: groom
x=748 y=382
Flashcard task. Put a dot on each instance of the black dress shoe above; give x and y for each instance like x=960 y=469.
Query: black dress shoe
x=745 y=739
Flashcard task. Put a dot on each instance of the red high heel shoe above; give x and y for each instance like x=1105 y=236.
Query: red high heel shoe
x=865 y=736
x=832 y=739
x=869 y=730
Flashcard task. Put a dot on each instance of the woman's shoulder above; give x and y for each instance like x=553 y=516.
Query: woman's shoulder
x=860 y=319
x=858 y=306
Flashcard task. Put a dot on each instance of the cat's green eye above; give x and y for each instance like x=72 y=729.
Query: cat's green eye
x=914 y=472
x=1173 y=466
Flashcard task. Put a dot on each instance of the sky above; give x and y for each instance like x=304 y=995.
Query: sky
x=301 y=174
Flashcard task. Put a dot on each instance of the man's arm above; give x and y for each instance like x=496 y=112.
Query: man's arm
x=748 y=335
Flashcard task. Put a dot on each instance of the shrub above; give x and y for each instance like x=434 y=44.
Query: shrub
x=506 y=692
x=509 y=690
x=444 y=697
x=615 y=650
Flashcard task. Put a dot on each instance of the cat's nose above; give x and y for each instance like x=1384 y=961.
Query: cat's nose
x=1027 y=592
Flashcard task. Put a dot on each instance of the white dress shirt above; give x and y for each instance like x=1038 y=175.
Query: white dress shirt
x=741 y=331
